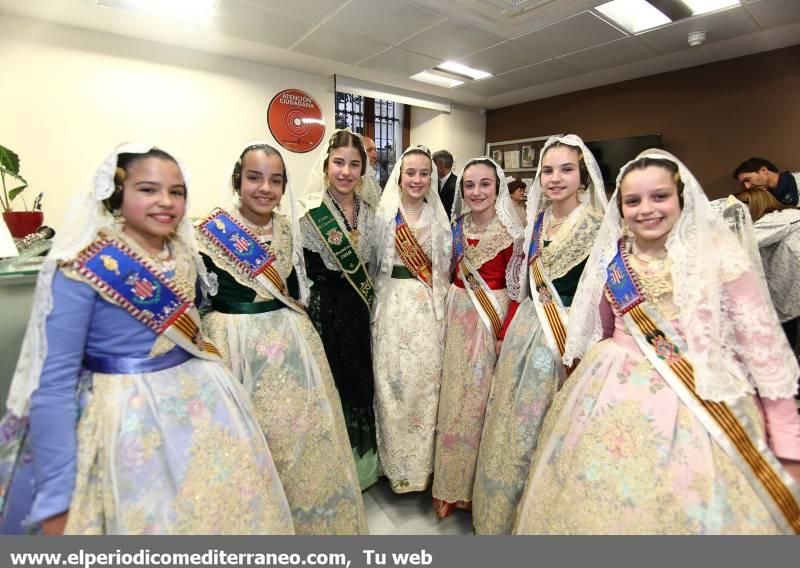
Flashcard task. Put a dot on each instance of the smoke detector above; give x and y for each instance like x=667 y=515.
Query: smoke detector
x=696 y=39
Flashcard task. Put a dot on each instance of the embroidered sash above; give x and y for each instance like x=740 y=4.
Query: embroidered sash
x=120 y=275
x=546 y=299
x=346 y=256
x=115 y=271
x=727 y=424
x=245 y=255
x=482 y=296
x=410 y=251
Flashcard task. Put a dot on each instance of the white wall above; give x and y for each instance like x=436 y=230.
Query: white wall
x=461 y=131
x=69 y=96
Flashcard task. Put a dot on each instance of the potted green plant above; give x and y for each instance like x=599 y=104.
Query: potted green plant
x=20 y=223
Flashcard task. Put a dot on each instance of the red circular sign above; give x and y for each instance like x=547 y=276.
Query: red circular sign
x=295 y=120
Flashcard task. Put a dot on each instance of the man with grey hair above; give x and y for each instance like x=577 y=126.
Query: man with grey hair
x=447 y=181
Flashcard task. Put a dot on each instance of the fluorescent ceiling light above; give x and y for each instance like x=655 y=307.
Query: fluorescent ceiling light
x=704 y=6
x=633 y=15
x=193 y=11
x=436 y=79
x=460 y=69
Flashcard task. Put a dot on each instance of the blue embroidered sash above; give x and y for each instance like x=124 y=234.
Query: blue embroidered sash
x=535 y=249
x=727 y=424
x=245 y=255
x=118 y=273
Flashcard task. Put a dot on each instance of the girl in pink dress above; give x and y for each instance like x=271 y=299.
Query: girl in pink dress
x=679 y=418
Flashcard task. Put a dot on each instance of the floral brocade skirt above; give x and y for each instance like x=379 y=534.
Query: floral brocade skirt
x=469 y=360
x=620 y=453
x=174 y=452
x=279 y=358
x=407 y=355
x=525 y=381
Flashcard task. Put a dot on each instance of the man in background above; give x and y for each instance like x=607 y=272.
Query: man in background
x=372 y=156
x=447 y=181
x=763 y=174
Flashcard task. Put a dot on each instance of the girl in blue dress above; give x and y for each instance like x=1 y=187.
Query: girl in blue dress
x=121 y=417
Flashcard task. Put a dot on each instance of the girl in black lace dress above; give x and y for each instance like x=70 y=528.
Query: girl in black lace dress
x=336 y=242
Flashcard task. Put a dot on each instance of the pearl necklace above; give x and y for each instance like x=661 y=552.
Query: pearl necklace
x=261 y=230
x=553 y=222
x=656 y=261
x=263 y=233
x=476 y=229
x=162 y=259
x=412 y=210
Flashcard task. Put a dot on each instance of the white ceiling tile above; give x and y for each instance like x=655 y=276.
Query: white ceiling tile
x=489 y=87
x=619 y=52
x=502 y=58
x=775 y=13
x=327 y=42
x=718 y=26
x=396 y=60
x=544 y=72
x=387 y=21
x=247 y=21
x=450 y=40
x=309 y=10
x=573 y=34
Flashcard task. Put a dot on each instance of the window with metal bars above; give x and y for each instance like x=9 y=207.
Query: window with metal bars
x=386 y=122
x=350 y=112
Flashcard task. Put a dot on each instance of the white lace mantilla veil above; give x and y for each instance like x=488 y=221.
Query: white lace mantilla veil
x=594 y=195
x=317 y=182
x=503 y=206
x=702 y=250
x=288 y=208
x=86 y=216
x=737 y=216
x=384 y=245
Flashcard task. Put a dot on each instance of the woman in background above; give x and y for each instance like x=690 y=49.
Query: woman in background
x=516 y=188
x=777 y=230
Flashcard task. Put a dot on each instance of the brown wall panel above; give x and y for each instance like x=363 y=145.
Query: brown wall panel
x=712 y=116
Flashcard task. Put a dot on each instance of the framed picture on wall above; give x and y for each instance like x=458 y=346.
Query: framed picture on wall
x=511 y=159
x=528 y=155
x=497 y=156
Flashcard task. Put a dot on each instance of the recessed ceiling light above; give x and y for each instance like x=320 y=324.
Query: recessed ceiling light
x=436 y=79
x=704 y=6
x=454 y=67
x=633 y=15
x=194 y=11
